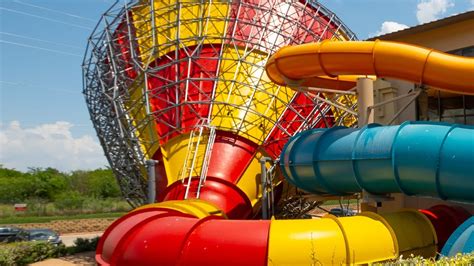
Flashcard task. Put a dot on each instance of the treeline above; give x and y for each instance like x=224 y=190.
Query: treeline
x=51 y=185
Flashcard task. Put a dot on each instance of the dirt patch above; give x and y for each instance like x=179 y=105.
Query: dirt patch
x=84 y=258
x=71 y=226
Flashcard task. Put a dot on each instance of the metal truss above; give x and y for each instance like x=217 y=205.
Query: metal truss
x=135 y=103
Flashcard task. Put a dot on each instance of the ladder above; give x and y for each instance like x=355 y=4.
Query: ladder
x=192 y=153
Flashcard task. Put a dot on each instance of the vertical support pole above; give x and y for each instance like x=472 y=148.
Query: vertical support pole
x=150 y=165
x=263 y=162
x=365 y=99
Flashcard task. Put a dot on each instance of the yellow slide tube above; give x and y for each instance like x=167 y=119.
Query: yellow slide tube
x=414 y=231
x=361 y=239
x=326 y=64
x=330 y=241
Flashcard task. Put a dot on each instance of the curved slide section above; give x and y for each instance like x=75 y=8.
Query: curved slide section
x=461 y=241
x=325 y=64
x=194 y=232
x=445 y=219
x=415 y=158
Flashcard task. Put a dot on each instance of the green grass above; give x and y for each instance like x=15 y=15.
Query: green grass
x=45 y=219
x=336 y=202
x=43 y=212
x=47 y=211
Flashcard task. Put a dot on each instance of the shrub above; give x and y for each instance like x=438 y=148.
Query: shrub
x=70 y=200
x=24 y=253
x=459 y=259
x=84 y=244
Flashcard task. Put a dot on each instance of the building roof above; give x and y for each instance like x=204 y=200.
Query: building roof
x=427 y=26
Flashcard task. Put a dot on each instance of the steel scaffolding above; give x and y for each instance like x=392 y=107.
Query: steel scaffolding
x=151 y=69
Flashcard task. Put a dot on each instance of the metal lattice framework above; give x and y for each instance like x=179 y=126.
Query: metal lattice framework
x=153 y=69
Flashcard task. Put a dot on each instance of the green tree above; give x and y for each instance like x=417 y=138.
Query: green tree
x=79 y=181
x=102 y=184
x=47 y=183
x=71 y=200
x=15 y=186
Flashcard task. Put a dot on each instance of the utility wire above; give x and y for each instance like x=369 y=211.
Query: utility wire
x=39 y=48
x=40 y=40
x=53 y=10
x=23 y=85
x=45 y=18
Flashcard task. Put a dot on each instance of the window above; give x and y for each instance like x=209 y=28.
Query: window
x=457 y=109
x=449 y=108
x=467 y=51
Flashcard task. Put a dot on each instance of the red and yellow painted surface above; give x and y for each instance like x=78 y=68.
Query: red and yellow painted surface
x=196 y=232
x=208 y=66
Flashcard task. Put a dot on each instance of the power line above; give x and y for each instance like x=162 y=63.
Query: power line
x=10 y=83
x=53 y=10
x=45 y=18
x=40 y=48
x=23 y=84
x=40 y=40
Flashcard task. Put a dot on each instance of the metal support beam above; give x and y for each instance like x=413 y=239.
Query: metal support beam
x=264 y=179
x=365 y=99
x=150 y=165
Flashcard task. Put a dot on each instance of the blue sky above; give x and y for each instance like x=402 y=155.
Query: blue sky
x=44 y=119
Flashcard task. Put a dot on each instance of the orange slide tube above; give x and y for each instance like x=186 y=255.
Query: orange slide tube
x=326 y=65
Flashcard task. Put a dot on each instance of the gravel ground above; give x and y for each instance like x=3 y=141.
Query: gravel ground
x=85 y=258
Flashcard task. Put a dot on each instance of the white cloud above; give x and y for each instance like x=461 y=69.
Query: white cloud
x=388 y=27
x=429 y=10
x=48 y=145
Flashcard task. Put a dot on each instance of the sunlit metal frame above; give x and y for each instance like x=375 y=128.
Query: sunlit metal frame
x=106 y=84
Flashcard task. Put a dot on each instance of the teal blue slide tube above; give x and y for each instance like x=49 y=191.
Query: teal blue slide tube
x=462 y=240
x=415 y=158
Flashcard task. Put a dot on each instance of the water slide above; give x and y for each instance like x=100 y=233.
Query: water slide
x=209 y=232
x=195 y=232
x=336 y=65
x=415 y=158
x=461 y=241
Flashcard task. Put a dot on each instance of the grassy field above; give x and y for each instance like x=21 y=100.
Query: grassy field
x=39 y=212
x=344 y=202
x=45 y=219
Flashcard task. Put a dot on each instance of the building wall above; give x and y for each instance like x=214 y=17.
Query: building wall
x=447 y=38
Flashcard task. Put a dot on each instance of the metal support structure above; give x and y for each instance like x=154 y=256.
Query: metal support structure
x=311 y=89
x=413 y=95
x=368 y=197
x=365 y=103
x=404 y=107
x=265 y=184
x=131 y=96
x=207 y=159
x=151 y=180
x=365 y=99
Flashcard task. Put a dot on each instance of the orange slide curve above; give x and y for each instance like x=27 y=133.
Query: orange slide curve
x=327 y=64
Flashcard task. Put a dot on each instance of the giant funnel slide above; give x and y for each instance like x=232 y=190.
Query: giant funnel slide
x=326 y=64
x=415 y=158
